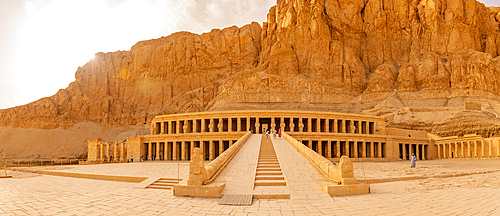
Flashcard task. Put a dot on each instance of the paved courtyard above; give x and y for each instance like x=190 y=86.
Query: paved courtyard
x=469 y=194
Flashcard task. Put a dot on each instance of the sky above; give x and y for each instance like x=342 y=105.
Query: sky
x=43 y=42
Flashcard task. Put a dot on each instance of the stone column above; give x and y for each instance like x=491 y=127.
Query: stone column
x=221 y=147
x=203 y=125
x=363 y=149
x=282 y=124
x=257 y=125
x=372 y=149
x=149 y=151
x=456 y=149
x=309 y=125
x=178 y=127
x=108 y=148
x=115 y=151
x=337 y=154
x=301 y=125
x=166 y=152
x=360 y=127
x=220 y=126
x=202 y=148
x=379 y=153
x=439 y=150
x=162 y=127
x=211 y=149
x=231 y=143
x=248 y=124
x=417 y=154
x=320 y=147
x=183 y=150
x=475 y=148
x=292 y=125
x=195 y=126
x=329 y=149
x=355 y=149
x=490 y=149
x=348 y=148
x=404 y=151
x=174 y=151
x=318 y=125
x=327 y=125
x=343 y=126
x=335 y=126
x=169 y=128
x=309 y=144
x=157 y=151
x=238 y=124
x=122 y=152
x=211 y=125
x=192 y=149
x=367 y=127
x=273 y=125
x=423 y=153
x=482 y=148
x=101 y=152
x=468 y=149
x=498 y=148
x=229 y=124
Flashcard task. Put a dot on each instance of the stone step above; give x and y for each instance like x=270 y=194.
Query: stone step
x=159 y=187
x=269 y=177
x=268 y=165
x=269 y=173
x=164 y=184
x=270 y=183
x=271 y=196
x=167 y=181
x=268 y=169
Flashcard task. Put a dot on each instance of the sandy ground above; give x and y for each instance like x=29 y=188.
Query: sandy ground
x=21 y=143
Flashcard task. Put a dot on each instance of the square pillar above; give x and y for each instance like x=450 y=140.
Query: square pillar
x=327 y=125
x=475 y=149
x=178 y=127
x=360 y=127
x=211 y=149
x=417 y=154
x=195 y=126
x=203 y=125
x=211 y=125
x=221 y=147
x=157 y=156
x=174 y=151
x=248 y=124
x=468 y=149
x=329 y=149
x=101 y=152
x=490 y=149
x=320 y=147
x=301 y=125
x=292 y=125
x=404 y=150
x=166 y=150
x=363 y=149
x=238 y=124
x=309 y=125
x=379 y=153
x=122 y=152
x=149 y=151
x=482 y=148
x=348 y=148
x=318 y=125
x=257 y=125
x=335 y=126
x=282 y=124
x=372 y=150
x=439 y=150
x=423 y=153
x=162 y=127
x=229 y=124
x=192 y=149
x=355 y=149
x=343 y=126
x=337 y=154
x=183 y=150
x=367 y=127
x=272 y=127
x=107 y=151
x=115 y=151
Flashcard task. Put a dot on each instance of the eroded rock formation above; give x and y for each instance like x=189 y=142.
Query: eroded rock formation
x=393 y=58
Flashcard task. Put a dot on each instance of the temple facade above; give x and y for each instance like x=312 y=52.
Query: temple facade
x=361 y=137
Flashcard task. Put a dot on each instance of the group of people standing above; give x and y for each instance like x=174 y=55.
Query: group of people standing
x=274 y=133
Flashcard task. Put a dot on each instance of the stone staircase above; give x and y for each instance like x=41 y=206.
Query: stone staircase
x=164 y=183
x=269 y=180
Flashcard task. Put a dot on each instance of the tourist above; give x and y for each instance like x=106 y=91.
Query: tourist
x=267 y=134
x=132 y=159
x=279 y=133
x=413 y=159
x=274 y=134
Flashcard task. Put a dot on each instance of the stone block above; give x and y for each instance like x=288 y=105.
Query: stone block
x=198 y=190
x=346 y=190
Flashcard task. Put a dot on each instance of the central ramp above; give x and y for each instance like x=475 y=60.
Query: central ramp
x=269 y=179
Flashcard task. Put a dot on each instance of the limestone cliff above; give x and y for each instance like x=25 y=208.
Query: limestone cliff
x=414 y=62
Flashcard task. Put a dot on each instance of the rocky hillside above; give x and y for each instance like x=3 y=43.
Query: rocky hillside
x=416 y=62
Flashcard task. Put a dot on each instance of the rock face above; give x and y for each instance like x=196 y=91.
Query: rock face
x=394 y=58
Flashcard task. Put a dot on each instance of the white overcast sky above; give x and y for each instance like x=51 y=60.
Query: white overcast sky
x=43 y=42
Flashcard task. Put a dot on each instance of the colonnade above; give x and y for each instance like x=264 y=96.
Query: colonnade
x=175 y=150
x=420 y=151
x=111 y=152
x=350 y=147
x=475 y=148
x=258 y=124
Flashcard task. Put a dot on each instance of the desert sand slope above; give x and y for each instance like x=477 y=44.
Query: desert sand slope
x=21 y=143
